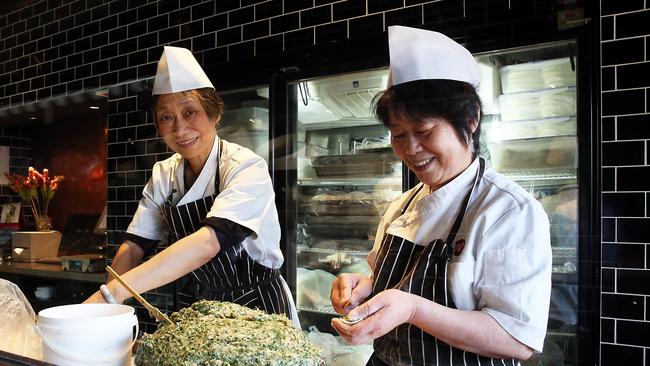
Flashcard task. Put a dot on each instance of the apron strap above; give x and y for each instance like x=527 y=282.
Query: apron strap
x=463 y=209
x=408 y=203
x=217 y=177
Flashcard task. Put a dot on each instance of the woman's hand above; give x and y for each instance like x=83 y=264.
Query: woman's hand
x=349 y=290
x=381 y=314
x=95 y=298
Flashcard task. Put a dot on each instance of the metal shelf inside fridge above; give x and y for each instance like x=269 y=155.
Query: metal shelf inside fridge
x=324 y=311
x=304 y=248
x=352 y=181
x=541 y=175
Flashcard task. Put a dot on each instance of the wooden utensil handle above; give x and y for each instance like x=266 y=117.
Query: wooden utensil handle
x=159 y=315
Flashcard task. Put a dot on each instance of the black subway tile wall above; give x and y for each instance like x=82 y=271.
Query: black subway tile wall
x=19 y=144
x=626 y=166
x=54 y=47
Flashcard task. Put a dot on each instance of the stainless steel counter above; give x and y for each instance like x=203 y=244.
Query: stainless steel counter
x=52 y=271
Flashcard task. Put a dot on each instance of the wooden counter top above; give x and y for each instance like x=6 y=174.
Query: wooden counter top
x=53 y=271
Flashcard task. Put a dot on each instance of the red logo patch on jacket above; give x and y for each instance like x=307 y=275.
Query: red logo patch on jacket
x=458 y=247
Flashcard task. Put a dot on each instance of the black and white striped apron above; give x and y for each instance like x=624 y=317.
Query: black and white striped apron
x=232 y=275
x=421 y=270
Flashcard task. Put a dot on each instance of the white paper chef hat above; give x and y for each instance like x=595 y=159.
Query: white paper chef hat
x=417 y=54
x=178 y=71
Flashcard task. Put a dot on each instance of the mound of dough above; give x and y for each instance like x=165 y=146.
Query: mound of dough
x=214 y=333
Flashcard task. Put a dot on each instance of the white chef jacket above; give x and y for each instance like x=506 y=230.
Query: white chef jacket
x=504 y=268
x=246 y=198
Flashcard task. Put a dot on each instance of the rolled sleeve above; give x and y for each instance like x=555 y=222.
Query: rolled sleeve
x=247 y=199
x=148 y=246
x=514 y=273
x=228 y=232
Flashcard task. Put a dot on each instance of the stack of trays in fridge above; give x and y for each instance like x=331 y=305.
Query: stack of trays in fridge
x=370 y=164
x=248 y=127
x=342 y=220
x=538 y=117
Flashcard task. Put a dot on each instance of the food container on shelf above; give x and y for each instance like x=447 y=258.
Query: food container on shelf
x=384 y=164
x=371 y=221
x=341 y=231
x=555 y=73
x=248 y=127
x=247 y=118
x=512 y=130
x=343 y=244
x=490 y=87
x=534 y=153
x=345 y=208
x=538 y=104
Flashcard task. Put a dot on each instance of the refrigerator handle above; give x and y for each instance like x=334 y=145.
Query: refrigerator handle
x=283 y=111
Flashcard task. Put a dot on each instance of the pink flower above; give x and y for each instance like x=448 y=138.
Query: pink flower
x=35 y=189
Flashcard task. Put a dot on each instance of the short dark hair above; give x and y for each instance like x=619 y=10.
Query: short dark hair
x=455 y=101
x=208 y=97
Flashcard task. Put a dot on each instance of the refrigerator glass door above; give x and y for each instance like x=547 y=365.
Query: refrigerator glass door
x=245 y=120
x=529 y=134
x=347 y=174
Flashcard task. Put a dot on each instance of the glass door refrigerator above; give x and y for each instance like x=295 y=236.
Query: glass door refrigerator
x=344 y=174
x=245 y=120
x=529 y=134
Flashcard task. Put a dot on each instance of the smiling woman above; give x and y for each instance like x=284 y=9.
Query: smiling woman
x=212 y=201
x=187 y=123
x=448 y=282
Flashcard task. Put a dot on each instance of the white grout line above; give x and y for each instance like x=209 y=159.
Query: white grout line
x=615 y=276
x=347 y=28
x=625 y=89
x=623 y=39
x=629 y=12
x=621 y=141
x=623 y=166
x=627 y=115
x=628 y=63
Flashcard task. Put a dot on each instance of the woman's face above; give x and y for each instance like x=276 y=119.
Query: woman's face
x=431 y=148
x=184 y=126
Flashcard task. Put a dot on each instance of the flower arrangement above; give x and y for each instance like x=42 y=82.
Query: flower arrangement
x=37 y=190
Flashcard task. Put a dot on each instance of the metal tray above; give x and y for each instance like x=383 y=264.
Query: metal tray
x=341 y=231
x=343 y=244
x=345 y=208
x=356 y=165
x=371 y=221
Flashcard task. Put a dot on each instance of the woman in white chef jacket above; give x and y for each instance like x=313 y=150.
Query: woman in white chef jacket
x=462 y=262
x=213 y=201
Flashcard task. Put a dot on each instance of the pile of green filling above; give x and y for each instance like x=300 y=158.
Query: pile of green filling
x=214 y=333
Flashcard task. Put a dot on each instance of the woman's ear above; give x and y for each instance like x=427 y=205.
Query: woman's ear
x=473 y=125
